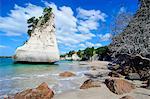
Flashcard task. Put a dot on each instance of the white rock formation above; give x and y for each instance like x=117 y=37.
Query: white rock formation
x=41 y=46
x=75 y=57
x=94 y=57
x=68 y=58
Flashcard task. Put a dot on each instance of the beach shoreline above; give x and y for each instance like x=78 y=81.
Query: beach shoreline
x=98 y=70
x=101 y=92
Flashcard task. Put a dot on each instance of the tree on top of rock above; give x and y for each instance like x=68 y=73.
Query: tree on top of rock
x=42 y=19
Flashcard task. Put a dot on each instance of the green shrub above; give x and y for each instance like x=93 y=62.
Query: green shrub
x=101 y=50
x=29 y=32
x=34 y=21
x=88 y=52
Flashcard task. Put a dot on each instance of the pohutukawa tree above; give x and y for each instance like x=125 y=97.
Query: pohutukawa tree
x=32 y=22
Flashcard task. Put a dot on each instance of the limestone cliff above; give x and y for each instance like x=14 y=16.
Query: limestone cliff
x=41 y=46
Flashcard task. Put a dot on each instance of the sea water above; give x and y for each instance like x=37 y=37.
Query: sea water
x=17 y=77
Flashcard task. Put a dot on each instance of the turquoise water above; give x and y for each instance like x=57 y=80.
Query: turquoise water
x=17 y=77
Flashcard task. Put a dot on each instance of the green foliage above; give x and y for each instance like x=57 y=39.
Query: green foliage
x=29 y=21
x=47 y=13
x=89 y=52
x=80 y=53
x=34 y=21
x=70 y=53
x=29 y=32
x=103 y=53
x=101 y=50
x=47 y=10
x=32 y=24
x=62 y=55
x=46 y=17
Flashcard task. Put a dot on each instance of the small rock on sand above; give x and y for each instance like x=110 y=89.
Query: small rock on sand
x=41 y=92
x=66 y=74
x=90 y=83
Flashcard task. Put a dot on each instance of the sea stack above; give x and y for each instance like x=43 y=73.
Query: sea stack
x=41 y=47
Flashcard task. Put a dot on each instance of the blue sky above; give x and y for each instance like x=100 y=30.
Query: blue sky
x=79 y=23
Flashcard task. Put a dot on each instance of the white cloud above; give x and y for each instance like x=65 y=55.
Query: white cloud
x=71 y=30
x=90 y=44
x=89 y=19
x=3 y=46
x=91 y=14
x=105 y=37
x=15 y=23
x=69 y=27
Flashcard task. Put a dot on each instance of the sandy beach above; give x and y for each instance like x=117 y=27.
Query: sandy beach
x=100 y=68
x=102 y=93
x=75 y=49
x=68 y=86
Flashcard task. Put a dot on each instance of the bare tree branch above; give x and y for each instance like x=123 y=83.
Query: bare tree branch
x=132 y=35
